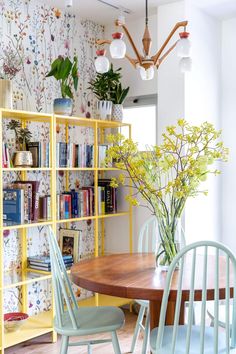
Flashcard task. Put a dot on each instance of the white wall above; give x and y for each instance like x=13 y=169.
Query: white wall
x=202 y=103
x=229 y=131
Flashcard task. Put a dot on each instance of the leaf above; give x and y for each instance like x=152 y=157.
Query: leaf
x=68 y=92
x=65 y=69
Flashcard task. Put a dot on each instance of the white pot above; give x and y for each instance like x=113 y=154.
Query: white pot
x=117 y=112
x=5 y=94
x=104 y=109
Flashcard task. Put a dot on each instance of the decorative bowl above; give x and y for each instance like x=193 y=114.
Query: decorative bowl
x=14 y=320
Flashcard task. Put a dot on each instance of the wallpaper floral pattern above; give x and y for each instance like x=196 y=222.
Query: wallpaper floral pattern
x=40 y=33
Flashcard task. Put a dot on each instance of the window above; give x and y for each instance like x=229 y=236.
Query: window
x=141 y=114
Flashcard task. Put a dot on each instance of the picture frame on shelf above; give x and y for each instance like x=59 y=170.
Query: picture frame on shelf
x=69 y=242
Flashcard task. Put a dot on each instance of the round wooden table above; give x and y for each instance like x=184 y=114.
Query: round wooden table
x=134 y=276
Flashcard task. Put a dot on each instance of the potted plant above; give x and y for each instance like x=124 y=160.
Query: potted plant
x=22 y=158
x=66 y=72
x=102 y=86
x=167 y=175
x=118 y=96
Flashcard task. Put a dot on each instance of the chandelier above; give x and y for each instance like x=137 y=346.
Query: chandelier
x=145 y=63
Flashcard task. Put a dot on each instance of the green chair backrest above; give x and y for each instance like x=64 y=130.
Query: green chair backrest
x=208 y=273
x=63 y=292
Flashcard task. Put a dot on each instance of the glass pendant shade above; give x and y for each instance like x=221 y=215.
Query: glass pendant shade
x=183 y=46
x=102 y=64
x=117 y=46
x=147 y=74
x=185 y=64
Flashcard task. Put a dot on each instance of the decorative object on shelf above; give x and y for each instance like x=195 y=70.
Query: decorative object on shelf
x=66 y=72
x=168 y=174
x=145 y=63
x=102 y=86
x=69 y=243
x=14 y=320
x=22 y=158
x=10 y=64
x=118 y=96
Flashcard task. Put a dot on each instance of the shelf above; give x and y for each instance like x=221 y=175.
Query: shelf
x=12 y=226
x=19 y=278
x=33 y=327
x=87 y=169
x=28 y=169
x=92 y=217
x=89 y=122
x=104 y=300
x=25 y=115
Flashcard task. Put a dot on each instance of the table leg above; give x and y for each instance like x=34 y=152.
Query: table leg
x=155 y=308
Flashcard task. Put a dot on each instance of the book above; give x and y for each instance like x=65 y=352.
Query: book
x=47 y=269
x=33 y=147
x=35 y=198
x=28 y=206
x=13 y=205
x=46 y=259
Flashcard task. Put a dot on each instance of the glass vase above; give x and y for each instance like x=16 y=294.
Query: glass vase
x=170 y=241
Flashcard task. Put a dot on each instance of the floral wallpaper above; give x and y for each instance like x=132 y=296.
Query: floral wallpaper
x=39 y=33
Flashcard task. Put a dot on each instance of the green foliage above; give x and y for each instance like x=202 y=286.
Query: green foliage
x=23 y=135
x=104 y=84
x=66 y=72
x=119 y=94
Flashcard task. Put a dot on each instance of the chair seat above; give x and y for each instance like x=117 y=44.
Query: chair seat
x=91 y=320
x=222 y=314
x=181 y=340
x=144 y=303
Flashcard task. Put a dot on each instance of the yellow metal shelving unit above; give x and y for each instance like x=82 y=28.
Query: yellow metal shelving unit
x=43 y=322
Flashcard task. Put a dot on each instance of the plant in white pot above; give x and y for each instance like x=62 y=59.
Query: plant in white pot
x=66 y=72
x=118 y=96
x=102 y=86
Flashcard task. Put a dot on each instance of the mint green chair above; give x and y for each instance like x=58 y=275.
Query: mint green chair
x=70 y=320
x=147 y=242
x=186 y=339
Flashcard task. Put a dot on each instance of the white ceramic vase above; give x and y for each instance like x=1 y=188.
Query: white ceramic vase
x=117 y=112
x=5 y=93
x=104 y=109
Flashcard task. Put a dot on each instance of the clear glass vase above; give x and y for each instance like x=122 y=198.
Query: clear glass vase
x=170 y=241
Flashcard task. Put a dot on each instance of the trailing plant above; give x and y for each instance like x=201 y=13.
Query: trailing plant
x=119 y=94
x=66 y=72
x=104 y=84
x=23 y=135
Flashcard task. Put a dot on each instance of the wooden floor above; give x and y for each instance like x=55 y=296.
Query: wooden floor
x=42 y=345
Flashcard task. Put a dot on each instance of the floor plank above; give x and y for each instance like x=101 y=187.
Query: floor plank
x=42 y=345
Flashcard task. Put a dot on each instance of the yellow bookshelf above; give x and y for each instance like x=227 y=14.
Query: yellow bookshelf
x=43 y=322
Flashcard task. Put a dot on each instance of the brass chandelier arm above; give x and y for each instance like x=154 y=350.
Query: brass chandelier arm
x=106 y=41
x=139 y=57
x=158 y=54
x=161 y=59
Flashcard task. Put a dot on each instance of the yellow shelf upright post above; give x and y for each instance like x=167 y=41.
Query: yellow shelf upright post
x=96 y=246
x=2 y=344
x=130 y=210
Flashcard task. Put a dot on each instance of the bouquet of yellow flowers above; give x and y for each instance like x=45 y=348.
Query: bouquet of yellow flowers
x=166 y=175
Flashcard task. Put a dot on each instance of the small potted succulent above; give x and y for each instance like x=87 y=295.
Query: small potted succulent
x=102 y=86
x=118 y=96
x=66 y=72
x=22 y=158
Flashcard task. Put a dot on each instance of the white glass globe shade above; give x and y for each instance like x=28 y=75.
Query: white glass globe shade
x=146 y=74
x=185 y=64
x=117 y=49
x=102 y=64
x=183 y=47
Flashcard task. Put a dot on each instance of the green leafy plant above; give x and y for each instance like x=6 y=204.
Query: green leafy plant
x=23 y=135
x=119 y=94
x=66 y=72
x=104 y=84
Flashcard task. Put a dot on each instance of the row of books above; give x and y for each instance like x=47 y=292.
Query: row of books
x=75 y=155
x=6 y=159
x=40 y=153
x=107 y=197
x=74 y=204
x=21 y=202
x=44 y=262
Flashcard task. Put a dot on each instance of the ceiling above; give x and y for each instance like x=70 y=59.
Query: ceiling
x=102 y=13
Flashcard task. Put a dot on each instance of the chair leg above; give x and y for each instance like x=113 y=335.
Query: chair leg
x=89 y=349
x=146 y=333
x=115 y=343
x=64 y=344
x=137 y=328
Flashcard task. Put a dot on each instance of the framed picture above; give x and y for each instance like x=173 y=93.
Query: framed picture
x=69 y=242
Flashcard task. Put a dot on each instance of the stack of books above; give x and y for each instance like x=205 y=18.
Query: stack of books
x=107 y=197
x=6 y=160
x=40 y=153
x=75 y=204
x=44 y=263
x=74 y=155
x=21 y=202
